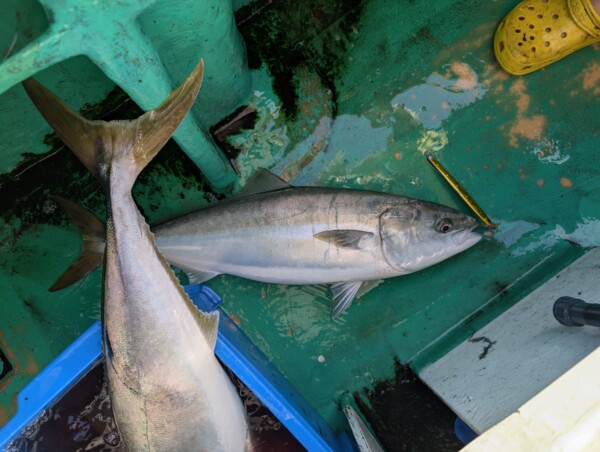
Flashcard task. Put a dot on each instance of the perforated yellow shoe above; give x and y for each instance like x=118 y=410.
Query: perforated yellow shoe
x=539 y=32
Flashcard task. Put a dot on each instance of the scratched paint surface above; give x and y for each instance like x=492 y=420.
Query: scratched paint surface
x=402 y=79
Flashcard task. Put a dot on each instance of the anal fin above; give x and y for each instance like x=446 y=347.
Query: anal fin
x=200 y=276
x=343 y=296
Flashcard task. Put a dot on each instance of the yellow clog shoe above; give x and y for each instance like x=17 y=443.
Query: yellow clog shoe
x=539 y=32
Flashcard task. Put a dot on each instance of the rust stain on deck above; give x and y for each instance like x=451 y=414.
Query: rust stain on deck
x=591 y=78
x=530 y=128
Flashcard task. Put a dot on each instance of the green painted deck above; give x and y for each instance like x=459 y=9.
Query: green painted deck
x=347 y=95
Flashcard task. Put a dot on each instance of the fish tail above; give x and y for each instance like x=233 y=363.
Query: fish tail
x=93 y=232
x=117 y=148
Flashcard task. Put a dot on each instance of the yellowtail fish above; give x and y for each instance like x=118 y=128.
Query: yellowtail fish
x=168 y=391
x=276 y=233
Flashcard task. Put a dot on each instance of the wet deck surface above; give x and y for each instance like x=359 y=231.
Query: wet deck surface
x=352 y=95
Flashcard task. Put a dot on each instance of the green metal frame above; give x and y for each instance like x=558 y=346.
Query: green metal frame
x=112 y=35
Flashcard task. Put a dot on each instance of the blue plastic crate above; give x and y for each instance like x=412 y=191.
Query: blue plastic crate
x=233 y=348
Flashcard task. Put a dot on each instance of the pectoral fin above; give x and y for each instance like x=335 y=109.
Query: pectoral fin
x=343 y=296
x=345 y=238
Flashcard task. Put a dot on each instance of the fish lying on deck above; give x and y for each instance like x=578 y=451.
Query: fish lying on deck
x=168 y=390
x=276 y=233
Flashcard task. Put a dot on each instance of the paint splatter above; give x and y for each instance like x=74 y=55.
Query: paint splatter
x=586 y=233
x=530 y=128
x=432 y=141
x=591 y=78
x=566 y=182
x=550 y=151
x=467 y=78
x=519 y=88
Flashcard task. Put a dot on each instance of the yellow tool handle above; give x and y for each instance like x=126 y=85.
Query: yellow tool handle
x=460 y=190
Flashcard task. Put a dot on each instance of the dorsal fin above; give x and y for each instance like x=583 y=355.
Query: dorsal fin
x=262 y=181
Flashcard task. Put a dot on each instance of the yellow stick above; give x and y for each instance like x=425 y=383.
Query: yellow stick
x=460 y=190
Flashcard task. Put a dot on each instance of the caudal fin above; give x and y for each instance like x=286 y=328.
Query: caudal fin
x=100 y=145
x=93 y=232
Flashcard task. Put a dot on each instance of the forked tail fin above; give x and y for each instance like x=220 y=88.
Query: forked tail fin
x=130 y=145
x=93 y=232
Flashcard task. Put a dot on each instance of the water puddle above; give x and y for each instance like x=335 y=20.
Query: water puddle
x=344 y=144
x=432 y=102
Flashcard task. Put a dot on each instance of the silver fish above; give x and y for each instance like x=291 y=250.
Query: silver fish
x=168 y=390
x=309 y=235
x=276 y=233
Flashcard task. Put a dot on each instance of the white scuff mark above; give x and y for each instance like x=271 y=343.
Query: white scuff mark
x=321 y=359
x=11 y=47
x=550 y=152
x=417 y=182
x=432 y=141
x=397 y=324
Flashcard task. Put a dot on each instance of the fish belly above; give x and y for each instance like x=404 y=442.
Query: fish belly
x=277 y=259
x=169 y=416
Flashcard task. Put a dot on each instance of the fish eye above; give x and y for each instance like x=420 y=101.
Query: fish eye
x=444 y=225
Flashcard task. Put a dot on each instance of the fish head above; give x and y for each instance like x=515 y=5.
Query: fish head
x=417 y=234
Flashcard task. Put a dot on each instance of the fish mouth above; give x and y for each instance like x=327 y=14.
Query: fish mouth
x=466 y=238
